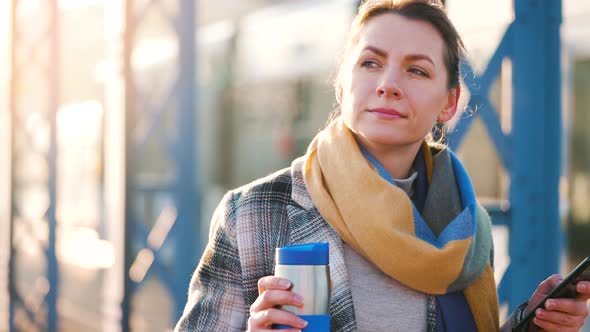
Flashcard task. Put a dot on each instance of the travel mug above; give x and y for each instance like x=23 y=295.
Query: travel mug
x=307 y=267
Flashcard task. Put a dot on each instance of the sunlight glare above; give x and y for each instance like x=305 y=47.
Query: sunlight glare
x=78 y=4
x=82 y=247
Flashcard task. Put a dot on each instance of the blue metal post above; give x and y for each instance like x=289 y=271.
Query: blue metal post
x=7 y=17
x=119 y=92
x=53 y=103
x=187 y=237
x=181 y=230
x=535 y=234
x=129 y=104
x=532 y=152
x=49 y=75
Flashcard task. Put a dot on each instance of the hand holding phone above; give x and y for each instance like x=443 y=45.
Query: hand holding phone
x=565 y=289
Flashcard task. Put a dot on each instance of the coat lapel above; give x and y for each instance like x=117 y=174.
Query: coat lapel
x=307 y=226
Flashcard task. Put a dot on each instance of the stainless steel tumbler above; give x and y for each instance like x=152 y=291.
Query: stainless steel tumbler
x=307 y=267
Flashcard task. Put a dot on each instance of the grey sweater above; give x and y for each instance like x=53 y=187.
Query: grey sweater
x=380 y=302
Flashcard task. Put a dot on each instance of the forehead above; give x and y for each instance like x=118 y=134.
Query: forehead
x=398 y=35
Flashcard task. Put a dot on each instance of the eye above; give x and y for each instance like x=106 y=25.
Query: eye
x=370 y=64
x=418 y=71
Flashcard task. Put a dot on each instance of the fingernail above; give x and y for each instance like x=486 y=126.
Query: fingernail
x=302 y=323
x=298 y=299
x=549 y=304
x=539 y=313
x=582 y=287
x=284 y=283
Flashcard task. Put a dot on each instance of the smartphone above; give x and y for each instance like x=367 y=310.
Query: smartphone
x=565 y=289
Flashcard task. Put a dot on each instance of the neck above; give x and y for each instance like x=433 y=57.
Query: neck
x=397 y=160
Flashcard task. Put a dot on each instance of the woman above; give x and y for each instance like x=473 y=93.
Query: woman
x=410 y=247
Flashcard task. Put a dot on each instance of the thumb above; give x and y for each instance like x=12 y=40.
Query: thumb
x=548 y=284
x=543 y=289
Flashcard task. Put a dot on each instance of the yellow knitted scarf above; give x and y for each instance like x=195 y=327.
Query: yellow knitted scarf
x=377 y=219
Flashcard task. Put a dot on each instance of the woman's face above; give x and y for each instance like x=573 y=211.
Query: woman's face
x=394 y=83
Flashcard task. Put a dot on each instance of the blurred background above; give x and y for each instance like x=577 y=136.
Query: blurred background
x=122 y=123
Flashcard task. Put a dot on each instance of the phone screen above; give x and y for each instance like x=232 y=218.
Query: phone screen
x=565 y=289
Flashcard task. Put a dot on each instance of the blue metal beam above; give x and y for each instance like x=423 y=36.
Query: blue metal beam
x=535 y=238
x=129 y=30
x=500 y=214
x=49 y=59
x=502 y=288
x=179 y=147
x=532 y=152
x=155 y=112
x=479 y=104
x=186 y=194
x=7 y=96
x=487 y=112
x=53 y=71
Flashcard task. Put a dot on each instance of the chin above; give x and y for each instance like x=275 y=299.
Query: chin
x=386 y=139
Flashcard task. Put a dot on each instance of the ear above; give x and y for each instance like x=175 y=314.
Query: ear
x=451 y=107
x=338 y=92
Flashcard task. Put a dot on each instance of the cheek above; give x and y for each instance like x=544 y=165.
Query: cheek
x=347 y=99
x=357 y=94
x=428 y=107
x=348 y=109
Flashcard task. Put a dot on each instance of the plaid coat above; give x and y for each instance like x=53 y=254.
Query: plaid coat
x=247 y=226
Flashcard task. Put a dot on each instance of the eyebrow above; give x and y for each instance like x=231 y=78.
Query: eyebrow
x=415 y=57
x=409 y=57
x=376 y=50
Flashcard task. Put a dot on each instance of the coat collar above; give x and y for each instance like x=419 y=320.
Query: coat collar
x=307 y=226
x=299 y=192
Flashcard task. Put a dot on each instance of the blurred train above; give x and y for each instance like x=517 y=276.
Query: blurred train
x=265 y=89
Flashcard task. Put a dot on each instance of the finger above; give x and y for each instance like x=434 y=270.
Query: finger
x=548 y=284
x=266 y=318
x=569 y=306
x=550 y=326
x=272 y=297
x=272 y=282
x=583 y=288
x=559 y=318
x=543 y=289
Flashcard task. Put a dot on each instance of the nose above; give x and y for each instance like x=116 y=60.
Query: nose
x=389 y=86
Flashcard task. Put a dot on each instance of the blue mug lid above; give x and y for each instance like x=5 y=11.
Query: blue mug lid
x=304 y=254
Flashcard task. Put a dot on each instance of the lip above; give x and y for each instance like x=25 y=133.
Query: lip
x=387 y=113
